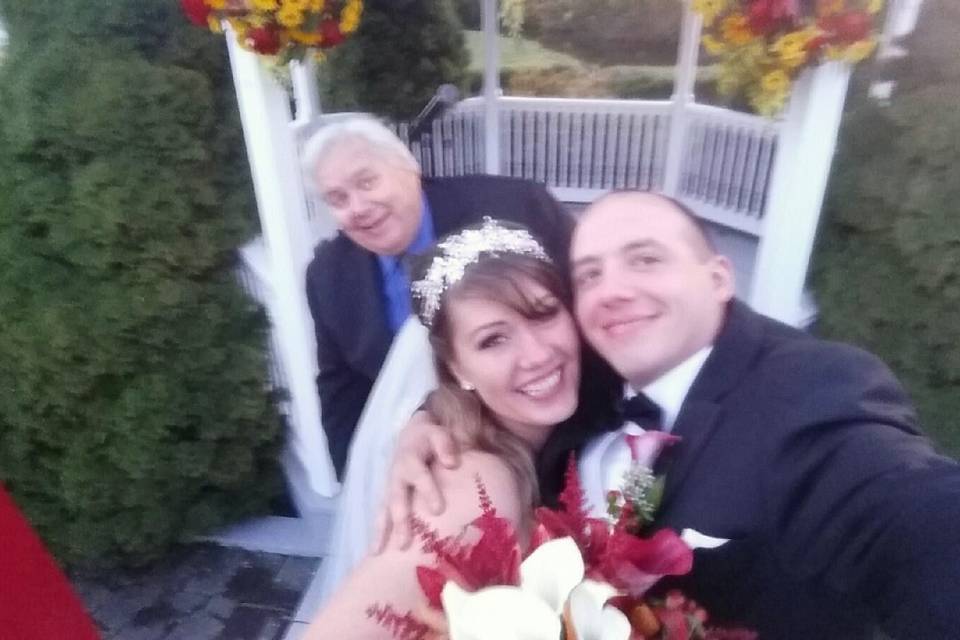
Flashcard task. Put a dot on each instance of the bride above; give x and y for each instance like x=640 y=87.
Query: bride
x=507 y=358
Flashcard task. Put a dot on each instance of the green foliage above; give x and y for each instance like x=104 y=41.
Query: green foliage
x=607 y=31
x=133 y=411
x=469 y=13
x=887 y=269
x=403 y=51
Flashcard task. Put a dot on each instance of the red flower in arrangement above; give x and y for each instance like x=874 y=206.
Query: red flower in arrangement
x=196 y=11
x=332 y=36
x=847 y=27
x=264 y=40
x=616 y=556
x=767 y=16
x=494 y=559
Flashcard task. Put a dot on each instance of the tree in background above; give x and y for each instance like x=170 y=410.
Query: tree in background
x=887 y=268
x=403 y=51
x=134 y=410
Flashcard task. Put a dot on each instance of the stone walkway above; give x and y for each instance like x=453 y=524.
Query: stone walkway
x=202 y=592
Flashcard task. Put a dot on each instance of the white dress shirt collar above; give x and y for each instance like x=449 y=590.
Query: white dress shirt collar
x=670 y=390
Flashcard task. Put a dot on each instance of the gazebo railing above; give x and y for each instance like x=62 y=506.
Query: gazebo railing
x=581 y=148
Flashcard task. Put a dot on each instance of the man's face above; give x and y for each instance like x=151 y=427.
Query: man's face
x=649 y=293
x=373 y=196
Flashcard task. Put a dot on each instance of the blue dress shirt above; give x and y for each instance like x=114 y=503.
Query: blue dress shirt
x=394 y=278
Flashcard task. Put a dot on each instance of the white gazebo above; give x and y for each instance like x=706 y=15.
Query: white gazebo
x=759 y=182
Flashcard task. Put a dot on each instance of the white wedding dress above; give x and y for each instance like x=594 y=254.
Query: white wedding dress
x=405 y=379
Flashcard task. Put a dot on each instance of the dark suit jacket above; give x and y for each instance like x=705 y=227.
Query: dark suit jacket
x=344 y=289
x=806 y=455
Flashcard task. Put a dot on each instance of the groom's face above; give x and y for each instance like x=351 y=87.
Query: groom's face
x=649 y=291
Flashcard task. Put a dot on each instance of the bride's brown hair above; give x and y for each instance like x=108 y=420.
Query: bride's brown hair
x=498 y=278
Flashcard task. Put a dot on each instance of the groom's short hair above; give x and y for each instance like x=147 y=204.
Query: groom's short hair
x=702 y=238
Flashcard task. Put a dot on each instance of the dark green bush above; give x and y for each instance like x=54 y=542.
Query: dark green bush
x=607 y=32
x=403 y=51
x=133 y=410
x=887 y=268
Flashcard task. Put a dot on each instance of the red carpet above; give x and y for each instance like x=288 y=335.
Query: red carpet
x=36 y=601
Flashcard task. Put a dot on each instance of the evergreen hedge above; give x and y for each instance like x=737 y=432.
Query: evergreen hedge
x=887 y=267
x=134 y=410
x=392 y=66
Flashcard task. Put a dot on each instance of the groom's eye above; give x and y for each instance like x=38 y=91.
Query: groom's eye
x=585 y=277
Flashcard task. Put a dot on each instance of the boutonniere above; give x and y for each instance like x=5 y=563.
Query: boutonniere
x=635 y=503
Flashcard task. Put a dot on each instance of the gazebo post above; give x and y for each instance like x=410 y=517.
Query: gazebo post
x=265 y=114
x=684 y=84
x=306 y=95
x=491 y=87
x=807 y=143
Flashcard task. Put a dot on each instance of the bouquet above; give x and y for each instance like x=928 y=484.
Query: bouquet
x=583 y=578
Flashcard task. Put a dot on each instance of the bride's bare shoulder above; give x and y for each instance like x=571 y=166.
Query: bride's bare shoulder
x=460 y=487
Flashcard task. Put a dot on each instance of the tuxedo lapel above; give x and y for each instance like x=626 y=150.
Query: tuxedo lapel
x=367 y=331
x=734 y=352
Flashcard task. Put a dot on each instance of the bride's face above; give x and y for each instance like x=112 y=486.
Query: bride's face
x=526 y=370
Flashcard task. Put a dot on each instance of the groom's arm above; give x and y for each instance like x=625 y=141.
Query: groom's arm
x=420 y=444
x=860 y=504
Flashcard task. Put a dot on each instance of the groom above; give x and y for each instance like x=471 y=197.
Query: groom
x=803 y=455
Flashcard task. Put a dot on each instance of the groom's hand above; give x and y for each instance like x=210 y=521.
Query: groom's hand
x=421 y=443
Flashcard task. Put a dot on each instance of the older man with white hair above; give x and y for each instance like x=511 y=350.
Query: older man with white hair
x=357 y=285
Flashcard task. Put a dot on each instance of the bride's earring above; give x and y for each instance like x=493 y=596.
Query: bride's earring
x=466 y=386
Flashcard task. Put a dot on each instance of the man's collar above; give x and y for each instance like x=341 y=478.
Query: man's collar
x=421 y=241
x=670 y=390
x=425 y=234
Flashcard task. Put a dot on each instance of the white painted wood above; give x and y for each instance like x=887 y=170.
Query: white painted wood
x=491 y=86
x=281 y=201
x=683 y=87
x=306 y=95
x=802 y=166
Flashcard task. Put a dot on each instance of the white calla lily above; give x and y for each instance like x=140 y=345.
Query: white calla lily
x=591 y=619
x=552 y=571
x=498 y=613
x=528 y=612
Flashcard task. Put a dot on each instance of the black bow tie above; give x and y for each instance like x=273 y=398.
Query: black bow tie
x=643 y=411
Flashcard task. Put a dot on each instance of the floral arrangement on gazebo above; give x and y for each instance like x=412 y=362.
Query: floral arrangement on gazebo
x=763 y=45
x=286 y=29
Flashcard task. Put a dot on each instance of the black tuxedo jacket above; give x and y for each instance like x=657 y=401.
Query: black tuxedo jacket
x=344 y=289
x=805 y=454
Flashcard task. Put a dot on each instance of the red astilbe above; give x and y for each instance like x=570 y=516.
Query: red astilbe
x=494 y=559
x=401 y=626
x=626 y=561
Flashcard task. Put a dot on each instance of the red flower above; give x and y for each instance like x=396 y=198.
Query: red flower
x=332 y=36
x=635 y=564
x=766 y=16
x=264 y=40
x=196 y=11
x=493 y=560
x=847 y=27
x=627 y=562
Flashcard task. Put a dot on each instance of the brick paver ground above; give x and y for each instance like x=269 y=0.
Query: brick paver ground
x=201 y=592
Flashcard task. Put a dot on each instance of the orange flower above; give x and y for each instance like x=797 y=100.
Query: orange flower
x=829 y=7
x=735 y=29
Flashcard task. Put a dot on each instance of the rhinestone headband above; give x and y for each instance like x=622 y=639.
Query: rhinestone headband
x=462 y=249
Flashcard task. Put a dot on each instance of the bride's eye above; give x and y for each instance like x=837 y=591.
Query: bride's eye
x=491 y=340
